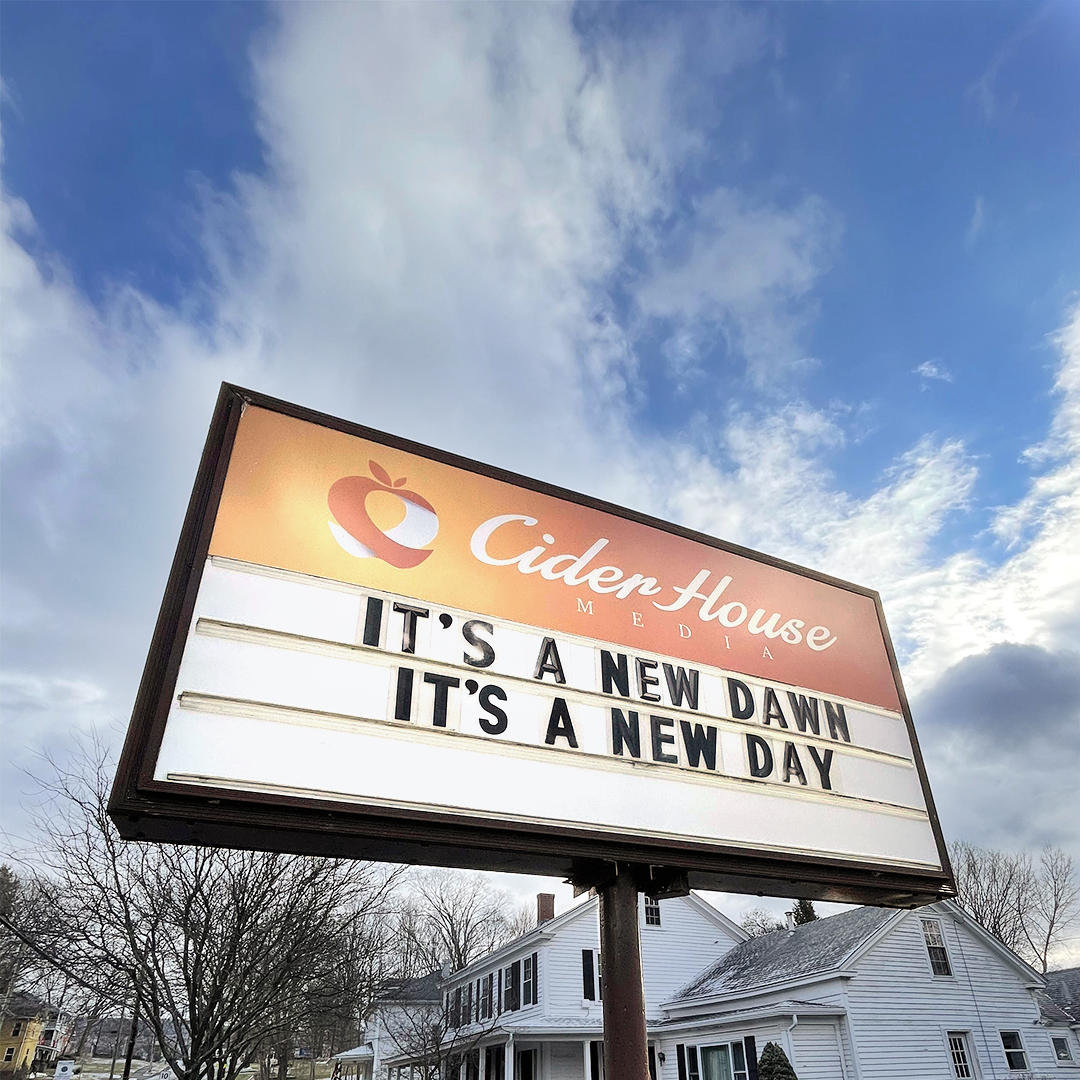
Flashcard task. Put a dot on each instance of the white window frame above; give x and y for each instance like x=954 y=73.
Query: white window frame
x=700 y=1048
x=969 y=1046
x=16 y=1029
x=651 y=913
x=488 y=986
x=1067 y=1062
x=528 y=982
x=1021 y=1049
x=597 y=982
x=936 y=926
x=508 y=974
x=9 y=1053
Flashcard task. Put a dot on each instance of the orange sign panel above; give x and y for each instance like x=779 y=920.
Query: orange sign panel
x=307 y=498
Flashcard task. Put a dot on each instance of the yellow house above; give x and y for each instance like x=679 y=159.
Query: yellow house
x=20 y=1030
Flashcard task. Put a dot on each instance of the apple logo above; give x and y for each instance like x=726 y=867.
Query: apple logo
x=402 y=546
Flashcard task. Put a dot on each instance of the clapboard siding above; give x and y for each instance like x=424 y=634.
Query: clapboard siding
x=816 y=1051
x=900 y=1011
x=672 y=953
x=762 y=1032
x=565 y=1062
x=686 y=941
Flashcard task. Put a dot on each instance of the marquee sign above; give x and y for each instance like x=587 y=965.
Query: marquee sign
x=373 y=648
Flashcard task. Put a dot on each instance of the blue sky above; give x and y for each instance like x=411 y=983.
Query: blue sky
x=804 y=276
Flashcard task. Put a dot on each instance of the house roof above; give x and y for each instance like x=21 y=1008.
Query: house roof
x=425 y=988
x=1052 y=1011
x=784 y=955
x=1063 y=990
x=547 y=929
x=537 y=933
x=787 y=1007
x=358 y=1053
x=1064 y=985
x=27 y=1006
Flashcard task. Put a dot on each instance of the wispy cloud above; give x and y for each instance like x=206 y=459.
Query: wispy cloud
x=455 y=196
x=930 y=369
x=977 y=222
x=984 y=90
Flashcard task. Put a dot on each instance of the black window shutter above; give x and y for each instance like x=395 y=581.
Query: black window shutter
x=652 y=1062
x=588 y=982
x=680 y=1055
x=536 y=979
x=750 y=1046
x=515 y=985
x=499 y=997
x=594 y=1060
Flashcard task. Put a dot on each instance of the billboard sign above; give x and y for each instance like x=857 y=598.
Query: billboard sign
x=373 y=648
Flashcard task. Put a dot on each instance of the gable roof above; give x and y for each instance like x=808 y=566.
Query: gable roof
x=22 y=1006
x=1063 y=985
x=425 y=988
x=784 y=955
x=733 y=929
x=1063 y=990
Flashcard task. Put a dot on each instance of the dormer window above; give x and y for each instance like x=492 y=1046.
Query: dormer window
x=935 y=947
x=652 y=911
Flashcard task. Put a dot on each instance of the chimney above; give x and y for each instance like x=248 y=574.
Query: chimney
x=790 y=917
x=545 y=907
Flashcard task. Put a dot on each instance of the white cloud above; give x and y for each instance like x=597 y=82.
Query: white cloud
x=930 y=369
x=453 y=192
x=977 y=222
x=745 y=271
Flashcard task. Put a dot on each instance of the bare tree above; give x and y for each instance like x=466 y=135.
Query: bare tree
x=1053 y=904
x=222 y=951
x=758 y=923
x=993 y=886
x=454 y=918
x=431 y=1038
x=1027 y=904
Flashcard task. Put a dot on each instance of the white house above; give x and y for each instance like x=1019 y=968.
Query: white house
x=869 y=994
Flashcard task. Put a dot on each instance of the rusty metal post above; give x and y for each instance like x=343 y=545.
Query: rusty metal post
x=626 y=1050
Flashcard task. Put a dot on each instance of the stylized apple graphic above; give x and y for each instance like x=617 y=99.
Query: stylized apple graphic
x=402 y=546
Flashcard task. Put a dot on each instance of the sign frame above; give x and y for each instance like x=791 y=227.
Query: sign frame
x=143 y=808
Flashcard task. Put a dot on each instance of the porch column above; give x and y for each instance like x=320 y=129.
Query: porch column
x=585 y=1057
x=482 y=1066
x=508 y=1058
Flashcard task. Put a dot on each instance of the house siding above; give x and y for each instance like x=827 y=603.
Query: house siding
x=762 y=1032
x=565 y=1061
x=816 y=1052
x=686 y=941
x=901 y=1012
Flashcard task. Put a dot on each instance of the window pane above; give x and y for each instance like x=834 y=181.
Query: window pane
x=958 y=1050
x=1062 y=1051
x=693 y=1071
x=716 y=1063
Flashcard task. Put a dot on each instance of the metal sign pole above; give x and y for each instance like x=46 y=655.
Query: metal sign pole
x=626 y=1053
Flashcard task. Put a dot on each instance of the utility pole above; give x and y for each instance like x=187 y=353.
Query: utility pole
x=116 y=1041
x=131 y=1038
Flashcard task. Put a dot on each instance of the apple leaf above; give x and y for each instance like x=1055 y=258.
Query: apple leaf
x=401 y=482
x=379 y=473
